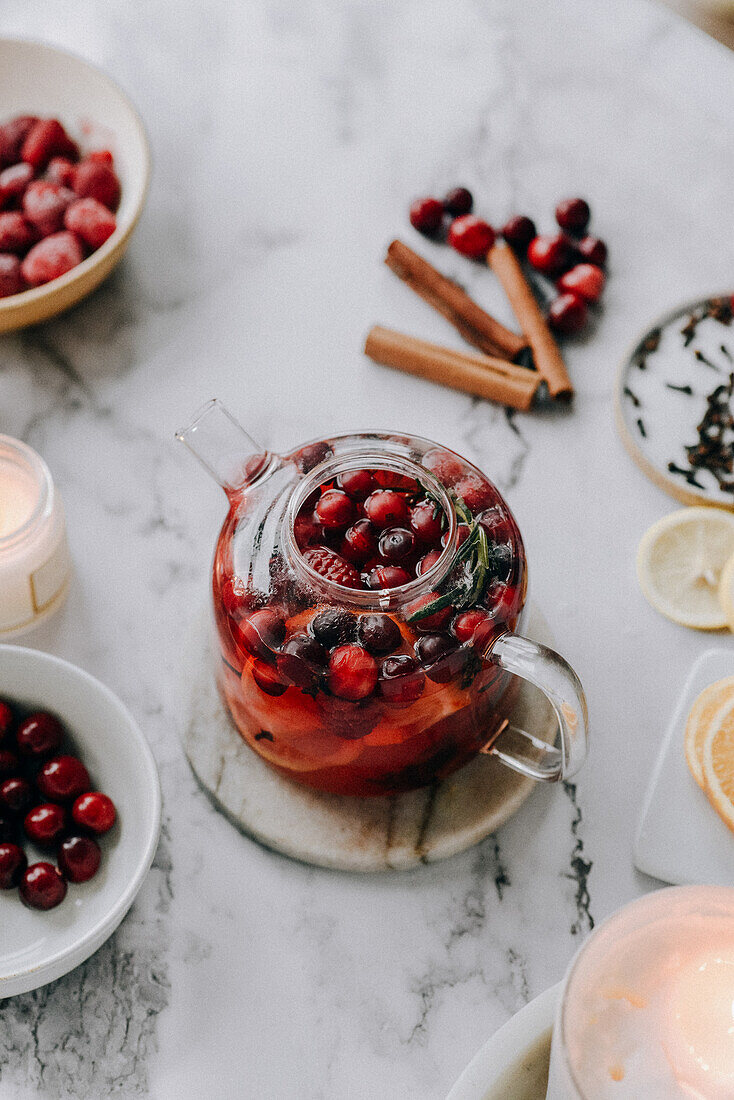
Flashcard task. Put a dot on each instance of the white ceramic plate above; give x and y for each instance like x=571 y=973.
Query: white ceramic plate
x=513 y=1064
x=41 y=80
x=37 y=947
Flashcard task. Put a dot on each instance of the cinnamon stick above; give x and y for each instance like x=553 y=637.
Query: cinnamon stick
x=482 y=375
x=546 y=355
x=475 y=325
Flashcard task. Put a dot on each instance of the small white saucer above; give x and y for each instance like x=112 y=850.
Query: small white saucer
x=680 y=837
x=38 y=947
x=513 y=1064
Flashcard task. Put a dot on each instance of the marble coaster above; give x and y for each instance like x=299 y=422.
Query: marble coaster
x=355 y=834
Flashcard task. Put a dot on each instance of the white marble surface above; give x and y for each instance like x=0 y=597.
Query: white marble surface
x=288 y=137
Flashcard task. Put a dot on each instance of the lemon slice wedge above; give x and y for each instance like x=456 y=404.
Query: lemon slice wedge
x=726 y=591
x=718 y=763
x=680 y=563
x=703 y=713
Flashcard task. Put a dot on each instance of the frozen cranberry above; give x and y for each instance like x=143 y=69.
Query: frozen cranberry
x=379 y=634
x=262 y=632
x=440 y=656
x=426 y=215
x=306 y=530
x=386 y=508
x=335 y=509
x=13 y=863
x=16 y=232
x=391 y=479
x=44 y=205
x=236 y=596
x=62 y=778
x=60 y=170
x=427 y=562
x=388 y=576
x=13 y=182
x=458 y=201
x=79 y=858
x=593 y=250
x=496 y=523
x=360 y=542
x=51 y=258
x=332 y=567
x=586 y=280
x=97 y=181
x=11 y=280
x=302 y=661
x=9 y=763
x=46 y=139
x=13 y=134
x=40 y=734
x=94 y=811
x=462 y=534
x=334 y=627
x=573 y=215
x=16 y=795
x=467 y=622
x=429 y=624
x=425 y=521
x=471 y=236
x=444 y=465
x=358 y=483
x=396 y=544
x=42 y=886
x=567 y=314
x=268 y=679
x=352 y=672
x=551 y=256
x=311 y=455
x=6 y=719
x=401 y=680
x=94 y=223
x=45 y=823
x=475 y=492
x=519 y=232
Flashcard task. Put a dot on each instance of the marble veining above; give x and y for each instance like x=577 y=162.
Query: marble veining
x=288 y=138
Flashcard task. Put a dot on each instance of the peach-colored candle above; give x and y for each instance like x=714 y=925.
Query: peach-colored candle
x=34 y=558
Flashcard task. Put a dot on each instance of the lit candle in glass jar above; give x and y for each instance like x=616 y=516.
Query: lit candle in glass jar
x=34 y=556
x=648 y=1009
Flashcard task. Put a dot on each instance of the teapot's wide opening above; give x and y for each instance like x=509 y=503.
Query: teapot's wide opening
x=378 y=598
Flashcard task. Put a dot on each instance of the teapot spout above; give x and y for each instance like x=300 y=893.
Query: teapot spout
x=223 y=447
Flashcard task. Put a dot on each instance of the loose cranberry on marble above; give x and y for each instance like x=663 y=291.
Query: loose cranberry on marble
x=44 y=824
x=268 y=679
x=430 y=624
x=39 y=734
x=94 y=811
x=427 y=562
x=13 y=863
x=466 y=624
x=440 y=656
x=426 y=215
x=401 y=681
x=63 y=778
x=388 y=576
x=359 y=543
x=586 y=280
x=379 y=634
x=593 y=250
x=396 y=544
x=79 y=858
x=302 y=661
x=386 y=508
x=551 y=256
x=425 y=521
x=444 y=466
x=16 y=795
x=462 y=533
x=357 y=483
x=352 y=673
x=573 y=215
x=6 y=719
x=567 y=314
x=519 y=232
x=335 y=510
x=471 y=236
x=261 y=633
x=42 y=886
x=458 y=201
x=334 y=627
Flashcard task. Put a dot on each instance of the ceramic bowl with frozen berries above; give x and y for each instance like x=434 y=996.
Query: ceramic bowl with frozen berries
x=79 y=816
x=74 y=170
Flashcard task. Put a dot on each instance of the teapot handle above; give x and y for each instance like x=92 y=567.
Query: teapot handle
x=549 y=672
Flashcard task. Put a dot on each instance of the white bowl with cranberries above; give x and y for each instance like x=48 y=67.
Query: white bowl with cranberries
x=80 y=811
x=74 y=169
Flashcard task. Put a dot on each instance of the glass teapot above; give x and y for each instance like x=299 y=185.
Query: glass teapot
x=366 y=589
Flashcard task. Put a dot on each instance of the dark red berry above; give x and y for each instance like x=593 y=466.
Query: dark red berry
x=360 y=542
x=427 y=562
x=573 y=215
x=467 y=622
x=551 y=256
x=476 y=493
x=306 y=530
x=429 y=624
x=396 y=544
x=261 y=633
x=335 y=509
x=332 y=567
x=16 y=232
x=386 y=508
x=496 y=523
x=425 y=521
x=62 y=778
x=388 y=576
x=401 y=681
x=6 y=719
x=379 y=634
x=42 y=886
x=13 y=863
x=567 y=314
x=444 y=465
x=471 y=236
x=79 y=858
x=519 y=232
x=593 y=250
x=311 y=455
x=44 y=824
x=268 y=679
x=503 y=601
x=334 y=627
x=95 y=224
x=458 y=201
x=40 y=734
x=352 y=672
x=44 y=205
x=47 y=138
x=94 y=811
x=16 y=795
x=441 y=658
x=586 y=280
x=13 y=182
x=11 y=279
x=51 y=258
x=95 y=180
x=13 y=134
x=358 y=483
x=302 y=661
x=426 y=215
x=9 y=763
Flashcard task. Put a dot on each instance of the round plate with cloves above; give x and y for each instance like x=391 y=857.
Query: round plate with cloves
x=675 y=402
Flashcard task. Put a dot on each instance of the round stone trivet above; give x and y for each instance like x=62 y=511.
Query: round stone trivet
x=355 y=834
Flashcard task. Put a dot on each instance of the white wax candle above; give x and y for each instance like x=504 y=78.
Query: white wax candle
x=19 y=495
